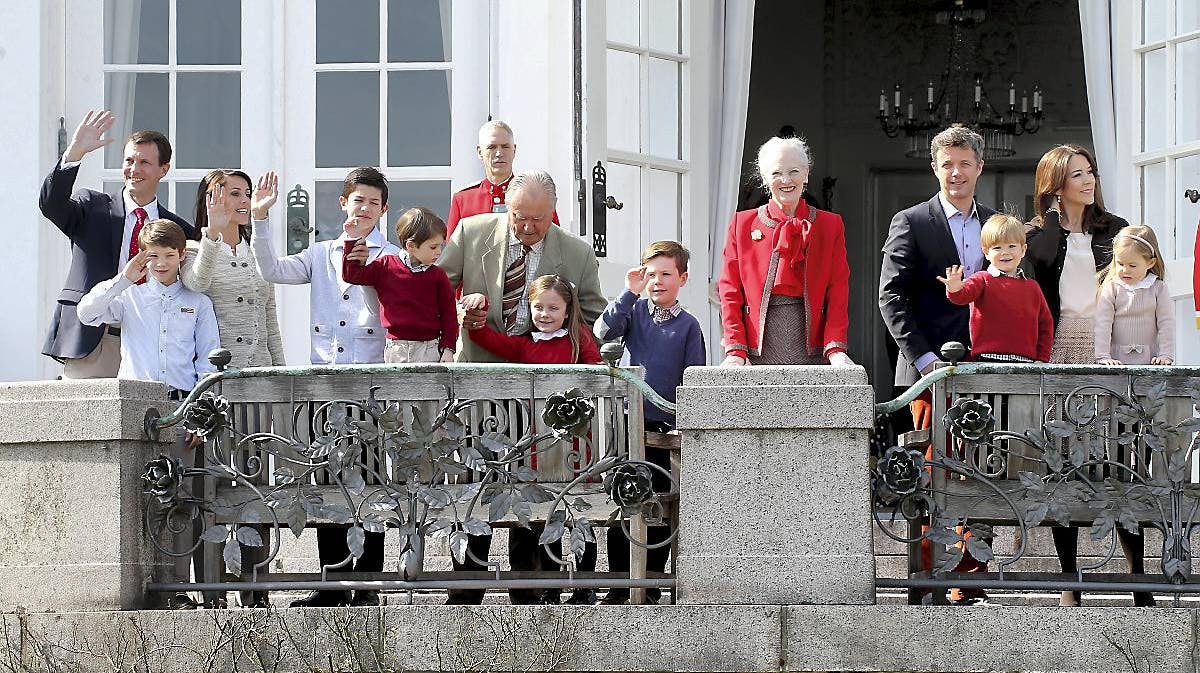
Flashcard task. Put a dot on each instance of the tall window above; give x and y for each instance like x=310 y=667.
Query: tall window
x=646 y=59
x=383 y=98
x=175 y=66
x=1168 y=158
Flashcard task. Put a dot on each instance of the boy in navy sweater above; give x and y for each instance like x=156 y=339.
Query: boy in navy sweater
x=664 y=339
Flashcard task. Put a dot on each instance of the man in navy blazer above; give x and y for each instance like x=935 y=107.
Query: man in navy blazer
x=922 y=242
x=101 y=230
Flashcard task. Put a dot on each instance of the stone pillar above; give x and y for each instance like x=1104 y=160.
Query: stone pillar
x=71 y=507
x=775 y=490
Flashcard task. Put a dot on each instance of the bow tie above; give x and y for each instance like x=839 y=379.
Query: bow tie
x=1135 y=348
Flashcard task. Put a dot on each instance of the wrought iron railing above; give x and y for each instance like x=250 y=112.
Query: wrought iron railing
x=1028 y=445
x=427 y=451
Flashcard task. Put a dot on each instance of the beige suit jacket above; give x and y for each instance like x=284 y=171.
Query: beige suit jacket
x=474 y=260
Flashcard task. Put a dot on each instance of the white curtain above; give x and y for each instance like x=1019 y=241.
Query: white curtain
x=733 y=37
x=122 y=21
x=1095 y=20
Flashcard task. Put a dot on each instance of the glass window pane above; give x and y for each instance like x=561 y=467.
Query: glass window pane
x=1187 y=16
x=418 y=30
x=185 y=200
x=1187 y=176
x=347 y=119
x=664 y=25
x=347 y=31
x=663 y=89
x=210 y=32
x=1155 y=199
x=624 y=101
x=665 y=207
x=624 y=225
x=139 y=102
x=418 y=122
x=1156 y=20
x=327 y=215
x=1187 y=96
x=135 y=31
x=431 y=194
x=115 y=187
x=624 y=19
x=1156 y=96
x=209 y=120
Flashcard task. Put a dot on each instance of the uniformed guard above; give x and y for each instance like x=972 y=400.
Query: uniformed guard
x=496 y=151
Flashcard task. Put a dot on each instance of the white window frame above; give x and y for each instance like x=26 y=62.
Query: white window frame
x=1130 y=50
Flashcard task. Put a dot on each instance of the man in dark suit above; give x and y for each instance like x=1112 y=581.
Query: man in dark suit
x=103 y=230
x=923 y=241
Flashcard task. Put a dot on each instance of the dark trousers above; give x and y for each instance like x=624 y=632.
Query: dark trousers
x=332 y=548
x=618 y=544
x=1066 y=545
x=524 y=553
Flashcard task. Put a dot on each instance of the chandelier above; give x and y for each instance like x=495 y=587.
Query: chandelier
x=960 y=98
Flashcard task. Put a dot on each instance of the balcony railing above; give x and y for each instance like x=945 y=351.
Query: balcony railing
x=1027 y=445
x=425 y=451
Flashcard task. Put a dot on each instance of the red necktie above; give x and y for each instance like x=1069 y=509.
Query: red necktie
x=140 y=214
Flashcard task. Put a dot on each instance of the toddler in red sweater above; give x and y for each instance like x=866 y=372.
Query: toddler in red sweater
x=559 y=336
x=1010 y=320
x=416 y=301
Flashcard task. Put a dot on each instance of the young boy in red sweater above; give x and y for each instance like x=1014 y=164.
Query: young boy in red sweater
x=416 y=301
x=1010 y=320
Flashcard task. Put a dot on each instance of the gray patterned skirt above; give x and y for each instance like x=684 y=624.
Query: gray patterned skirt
x=785 y=334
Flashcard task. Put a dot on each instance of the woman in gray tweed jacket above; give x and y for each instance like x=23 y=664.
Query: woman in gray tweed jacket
x=221 y=265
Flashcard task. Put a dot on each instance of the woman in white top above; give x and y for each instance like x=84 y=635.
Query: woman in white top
x=221 y=265
x=1070 y=242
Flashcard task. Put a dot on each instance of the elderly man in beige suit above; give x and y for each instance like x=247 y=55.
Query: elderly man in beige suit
x=483 y=251
x=484 y=248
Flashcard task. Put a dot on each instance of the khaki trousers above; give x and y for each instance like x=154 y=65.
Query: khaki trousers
x=101 y=363
x=398 y=351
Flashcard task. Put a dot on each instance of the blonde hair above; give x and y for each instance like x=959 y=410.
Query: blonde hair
x=1137 y=238
x=564 y=289
x=1001 y=228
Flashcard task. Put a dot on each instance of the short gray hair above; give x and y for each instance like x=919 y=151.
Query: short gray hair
x=777 y=144
x=539 y=179
x=956 y=136
x=494 y=124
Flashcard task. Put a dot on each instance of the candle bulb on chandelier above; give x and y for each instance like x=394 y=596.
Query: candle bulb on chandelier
x=977 y=91
x=1024 y=103
x=929 y=95
x=910 y=109
x=897 y=98
x=1012 y=96
x=882 y=103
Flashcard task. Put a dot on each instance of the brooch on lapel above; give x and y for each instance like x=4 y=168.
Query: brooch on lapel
x=756 y=234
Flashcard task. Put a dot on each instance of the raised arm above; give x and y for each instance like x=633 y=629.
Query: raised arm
x=103 y=303
x=55 y=200
x=291 y=270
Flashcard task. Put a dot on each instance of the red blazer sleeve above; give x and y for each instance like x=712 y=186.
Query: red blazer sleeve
x=589 y=353
x=455 y=214
x=837 y=297
x=971 y=290
x=733 y=296
x=362 y=274
x=448 y=309
x=554 y=217
x=511 y=348
x=1045 y=342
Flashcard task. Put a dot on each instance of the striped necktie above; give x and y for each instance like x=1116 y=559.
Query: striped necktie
x=514 y=286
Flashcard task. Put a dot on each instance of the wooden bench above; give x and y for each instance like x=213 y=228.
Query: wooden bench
x=509 y=404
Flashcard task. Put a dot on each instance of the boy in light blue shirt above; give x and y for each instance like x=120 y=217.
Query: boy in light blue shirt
x=167 y=330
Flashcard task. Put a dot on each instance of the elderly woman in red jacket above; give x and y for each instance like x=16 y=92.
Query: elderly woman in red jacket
x=785 y=283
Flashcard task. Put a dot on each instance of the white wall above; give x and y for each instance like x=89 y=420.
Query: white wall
x=34 y=254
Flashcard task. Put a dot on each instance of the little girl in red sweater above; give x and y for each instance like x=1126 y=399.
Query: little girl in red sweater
x=559 y=338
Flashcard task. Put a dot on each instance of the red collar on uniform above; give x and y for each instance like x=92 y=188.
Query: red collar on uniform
x=497 y=190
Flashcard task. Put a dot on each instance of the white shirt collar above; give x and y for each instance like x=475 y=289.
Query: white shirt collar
x=950 y=211
x=131 y=205
x=546 y=336
x=1143 y=283
x=168 y=291
x=1019 y=273
x=536 y=248
x=408 y=261
x=374 y=240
